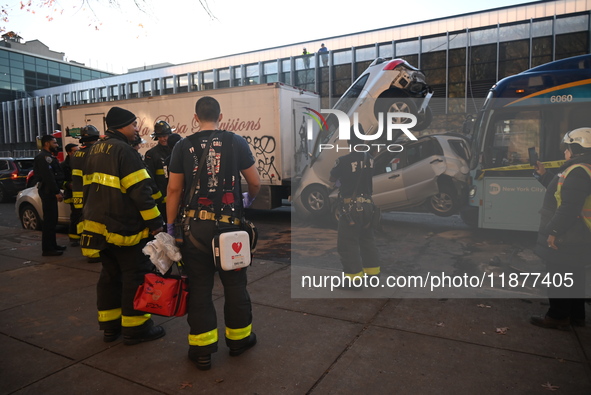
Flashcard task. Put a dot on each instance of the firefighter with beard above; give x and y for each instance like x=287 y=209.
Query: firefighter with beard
x=89 y=135
x=155 y=159
x=119 y=217
x=47 y=169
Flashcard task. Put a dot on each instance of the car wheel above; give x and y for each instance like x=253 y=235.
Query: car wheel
x=29 y=217
x=444 y=203
x=396 y=104
x=315 y=199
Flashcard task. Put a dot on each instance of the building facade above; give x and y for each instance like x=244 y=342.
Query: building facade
x=462 y=57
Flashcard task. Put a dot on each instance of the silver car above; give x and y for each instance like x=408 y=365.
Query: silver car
x=431 y=172
x=386 y=86
x=30 y=210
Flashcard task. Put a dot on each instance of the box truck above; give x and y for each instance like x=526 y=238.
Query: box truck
x=271 y=117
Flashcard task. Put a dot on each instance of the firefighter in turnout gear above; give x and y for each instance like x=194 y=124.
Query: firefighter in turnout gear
x=355 y=239
x=119 y=216
x=156 y=157
x=89 y=135
x=68 y=199
x=218 y=202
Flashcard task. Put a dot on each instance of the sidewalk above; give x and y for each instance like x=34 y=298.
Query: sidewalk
x=51 y=343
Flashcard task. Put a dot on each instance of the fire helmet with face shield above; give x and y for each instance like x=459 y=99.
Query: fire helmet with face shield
x=89 y=133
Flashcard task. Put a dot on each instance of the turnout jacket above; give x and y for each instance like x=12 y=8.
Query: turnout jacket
x=118 y=205
x=155 y=159
x=77 y=165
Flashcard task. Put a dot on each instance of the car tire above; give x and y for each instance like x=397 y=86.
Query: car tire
x=30 y=218
x=396 y=104
x=315 y=199
x=445 y=203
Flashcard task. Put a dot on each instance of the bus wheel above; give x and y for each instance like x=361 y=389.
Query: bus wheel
x=444 y=203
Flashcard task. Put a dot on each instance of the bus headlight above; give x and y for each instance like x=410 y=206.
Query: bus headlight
x=472 y=192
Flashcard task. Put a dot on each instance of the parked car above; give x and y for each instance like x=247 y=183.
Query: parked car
x=430 y=172
x=29 y=209
x=386 y=86
x=13 y=174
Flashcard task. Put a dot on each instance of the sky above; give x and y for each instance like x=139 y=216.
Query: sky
x=180 y=31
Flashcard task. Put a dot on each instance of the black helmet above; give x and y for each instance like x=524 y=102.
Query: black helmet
x=89 y=133
x=161 y=128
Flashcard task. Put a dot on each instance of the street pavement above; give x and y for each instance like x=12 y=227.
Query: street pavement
x=51 y=343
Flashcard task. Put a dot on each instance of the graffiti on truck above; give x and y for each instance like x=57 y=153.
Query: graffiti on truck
x=263 y=148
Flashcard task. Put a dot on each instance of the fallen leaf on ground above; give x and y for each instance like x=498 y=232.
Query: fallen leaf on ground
x=502 y=331
x=550 y=387
x=186 y=385
x=484 y=306
x=440 y=324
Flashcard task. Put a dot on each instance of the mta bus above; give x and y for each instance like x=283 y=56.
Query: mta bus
x=530 y=110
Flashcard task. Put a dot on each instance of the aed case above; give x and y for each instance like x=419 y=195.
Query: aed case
x=231 y=250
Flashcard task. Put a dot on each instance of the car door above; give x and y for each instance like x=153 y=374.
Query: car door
x=388 y=186
x=425 y=161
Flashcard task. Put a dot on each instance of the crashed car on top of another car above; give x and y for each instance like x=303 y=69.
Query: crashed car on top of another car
x=386 y=86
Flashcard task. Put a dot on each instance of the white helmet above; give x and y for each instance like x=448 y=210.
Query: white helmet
x=581 y=136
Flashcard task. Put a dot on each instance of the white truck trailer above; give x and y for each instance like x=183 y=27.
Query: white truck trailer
x=271 y=117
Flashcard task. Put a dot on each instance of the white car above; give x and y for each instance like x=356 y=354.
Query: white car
x=30 y=211
x=431 y=172
x=387 y=86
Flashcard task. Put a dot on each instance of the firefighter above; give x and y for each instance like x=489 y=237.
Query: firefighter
x=119 y=216
x=355 y=238
x=155 y=159
x=89 y=135
x=66 y=166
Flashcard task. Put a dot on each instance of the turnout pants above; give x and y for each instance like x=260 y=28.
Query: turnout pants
x=123 y=270
x=202 y=319
x=356 y=247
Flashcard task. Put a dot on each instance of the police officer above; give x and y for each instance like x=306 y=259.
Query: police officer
x=47 y=169
x=89 y=135
x=119 y=216
x=355 y=240
x=564 y=236
x=155 y=159
x=66 y=166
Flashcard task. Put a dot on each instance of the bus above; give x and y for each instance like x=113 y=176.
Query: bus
x=533 y=109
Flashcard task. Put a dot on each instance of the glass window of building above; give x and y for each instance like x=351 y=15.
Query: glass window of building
x=513 y=57
x=270 y=72
x=182 y=83
x=386 y=50
x=456 y=80
x=224 y=78
x=134 y=90
x=286 y=71
x=237 y=77
x=206 y=80
x=252 y=74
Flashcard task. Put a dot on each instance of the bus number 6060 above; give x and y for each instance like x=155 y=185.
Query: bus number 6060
x=561 y=99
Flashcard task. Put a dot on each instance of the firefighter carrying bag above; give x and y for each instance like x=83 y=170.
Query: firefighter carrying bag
x=163 y=295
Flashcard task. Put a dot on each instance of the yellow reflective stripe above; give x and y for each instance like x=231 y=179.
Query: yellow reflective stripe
x=113 y=238
x=102 y=179
x=238 y=334
x=372 y=271
x=74 y=236
x=135 y=320
x=90 y=253
x=159 y=172
x=134 y=178
x=157 y=195
x=356 y=275
x=587 y=205
x=150 y=214
x=204 y=339
x=164 y=200
x=109 y=315
x=78 y=194
x=77 y=172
